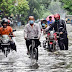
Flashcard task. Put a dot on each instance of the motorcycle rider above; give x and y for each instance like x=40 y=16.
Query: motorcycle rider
x=56 y=25
x=5 y=29
x=31 y=30
x=50 y=20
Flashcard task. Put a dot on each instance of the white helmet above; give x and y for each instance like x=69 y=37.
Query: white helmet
x=4 y=20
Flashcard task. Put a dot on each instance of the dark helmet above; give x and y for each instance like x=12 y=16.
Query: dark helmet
x=4 y=20
x=57 y=16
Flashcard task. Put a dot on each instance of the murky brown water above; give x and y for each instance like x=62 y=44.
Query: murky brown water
x=59 y=61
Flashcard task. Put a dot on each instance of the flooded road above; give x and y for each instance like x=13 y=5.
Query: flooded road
x=59 y=61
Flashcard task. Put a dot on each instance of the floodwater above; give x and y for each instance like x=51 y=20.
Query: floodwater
x=58 y=61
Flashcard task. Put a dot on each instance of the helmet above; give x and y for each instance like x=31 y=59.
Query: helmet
x=4 y=20
x=57 y=16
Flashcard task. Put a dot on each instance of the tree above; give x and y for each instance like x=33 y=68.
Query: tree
x=7 y=7
x=67 y=4
x=22 y=9
x=10 y=7
x=46 y=3
x=38 y=8
x=34 y=8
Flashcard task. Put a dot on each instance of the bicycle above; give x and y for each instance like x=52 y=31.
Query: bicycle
x=34 y=49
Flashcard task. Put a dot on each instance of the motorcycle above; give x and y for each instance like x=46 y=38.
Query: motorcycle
x=5 y=43
x=51 y=40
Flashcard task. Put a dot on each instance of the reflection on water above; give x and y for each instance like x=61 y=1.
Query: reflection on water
x=35 y=66
x=58 y=61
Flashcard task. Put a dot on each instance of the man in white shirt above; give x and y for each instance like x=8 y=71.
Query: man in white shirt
x=31 y=30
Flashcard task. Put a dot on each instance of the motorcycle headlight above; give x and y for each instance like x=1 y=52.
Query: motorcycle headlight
x=5 y=40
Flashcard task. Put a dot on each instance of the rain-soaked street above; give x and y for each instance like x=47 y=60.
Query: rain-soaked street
x=58 y=61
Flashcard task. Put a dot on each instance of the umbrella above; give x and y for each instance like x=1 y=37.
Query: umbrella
x=51 y=16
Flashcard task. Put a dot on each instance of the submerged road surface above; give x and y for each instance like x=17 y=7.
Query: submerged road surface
x=59 y=61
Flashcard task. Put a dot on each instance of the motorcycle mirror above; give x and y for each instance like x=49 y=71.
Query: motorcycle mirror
x=14 y=30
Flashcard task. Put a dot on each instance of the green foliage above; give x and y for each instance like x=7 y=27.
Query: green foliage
x=45 y=3
x=67 y=5
x=11 y=7
x=25 y=8
x=38 y=8
x=22 y=7
x=7 y=6
x=34 y=8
